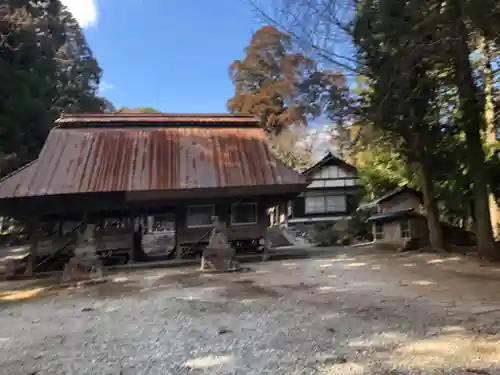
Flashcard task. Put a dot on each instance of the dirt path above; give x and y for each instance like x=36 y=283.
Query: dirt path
x=356 y=313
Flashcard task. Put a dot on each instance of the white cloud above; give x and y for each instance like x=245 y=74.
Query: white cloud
x=105 y=86
x=84 y=11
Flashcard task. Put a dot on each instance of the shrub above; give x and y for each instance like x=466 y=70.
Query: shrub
x=325 y=235
x=359 y=228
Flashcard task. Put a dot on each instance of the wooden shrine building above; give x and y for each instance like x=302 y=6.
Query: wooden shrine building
x=97 y=167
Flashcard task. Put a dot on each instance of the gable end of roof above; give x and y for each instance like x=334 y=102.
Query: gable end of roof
x=330 y=159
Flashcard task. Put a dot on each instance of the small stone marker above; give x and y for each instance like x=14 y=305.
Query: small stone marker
x=218 y=255
x=85 y=265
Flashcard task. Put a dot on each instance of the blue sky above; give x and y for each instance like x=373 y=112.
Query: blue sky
x=172 y=55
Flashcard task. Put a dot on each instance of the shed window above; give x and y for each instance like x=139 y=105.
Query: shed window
x=200 y=216
x=379 y=231
x=405 y=229
x=243 y=213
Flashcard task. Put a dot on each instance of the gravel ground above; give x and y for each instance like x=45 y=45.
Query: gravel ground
x=357 y=313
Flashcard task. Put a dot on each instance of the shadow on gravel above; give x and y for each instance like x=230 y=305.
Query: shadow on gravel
x=244 y=289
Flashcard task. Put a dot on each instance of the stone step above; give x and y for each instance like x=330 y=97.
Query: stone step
x=277 y=238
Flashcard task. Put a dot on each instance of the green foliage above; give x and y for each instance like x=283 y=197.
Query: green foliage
x=422 y=95
x=138 y=110
x=420 y=92
x=358 y=227
x=46 y=68
x=325 y=235
x=343 y=232
x=79 y=73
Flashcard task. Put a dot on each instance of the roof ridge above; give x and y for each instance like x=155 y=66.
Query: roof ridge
x=161 y=114
x=141 y=119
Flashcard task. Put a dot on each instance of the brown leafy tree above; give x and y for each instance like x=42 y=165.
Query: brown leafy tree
x=268 y=82
x=284 y=89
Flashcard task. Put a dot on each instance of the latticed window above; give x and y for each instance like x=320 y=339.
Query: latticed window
x=244 y=213
x=379 y=231
x=200 y=216
x=405 y=229
x=320 y=202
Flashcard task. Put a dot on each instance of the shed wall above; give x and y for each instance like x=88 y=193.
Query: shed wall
x=400 y=202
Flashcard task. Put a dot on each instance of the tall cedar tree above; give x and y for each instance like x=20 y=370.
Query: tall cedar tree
x=452 y=26
x=79 y=73
x=29 y=37
x=46 y=68
x=283 y=88
x=267 y=81
x=460 y=23
x=402 y=90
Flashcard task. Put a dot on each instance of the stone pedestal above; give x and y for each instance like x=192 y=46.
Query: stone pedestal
x=85 y=265
x=218 y=255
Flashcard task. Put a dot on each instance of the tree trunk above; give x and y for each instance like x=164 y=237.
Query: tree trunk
x=431 y=207
x=491 y=130
x=473 y=123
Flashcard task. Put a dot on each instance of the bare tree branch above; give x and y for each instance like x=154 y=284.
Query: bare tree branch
x=307 y=35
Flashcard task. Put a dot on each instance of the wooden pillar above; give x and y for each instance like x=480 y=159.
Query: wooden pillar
x=33 y=231
x=267 y=245
x=287 y=212
x=99 y=241
x=178 y=249
x=131 y=251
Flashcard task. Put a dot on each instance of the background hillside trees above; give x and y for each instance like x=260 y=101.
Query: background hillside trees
x=431 y=87
x=46 y=67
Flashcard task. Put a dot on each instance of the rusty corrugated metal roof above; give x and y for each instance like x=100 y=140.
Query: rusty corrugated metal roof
x=159 y=119
x=90 y=160
x=11 y=185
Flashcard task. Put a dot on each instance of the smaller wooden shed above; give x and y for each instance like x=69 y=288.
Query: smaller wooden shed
x=398 y=217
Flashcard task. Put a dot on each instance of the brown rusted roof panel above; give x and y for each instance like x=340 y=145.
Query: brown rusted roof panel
x=139 y=159
x=17 y=183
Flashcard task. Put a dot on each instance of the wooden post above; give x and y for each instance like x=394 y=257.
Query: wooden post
x=287 y=212
x=131 y=251
x=85 y=222
x=99 y=235
x=267 y=245
x=178 y=249
x=33 y=233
